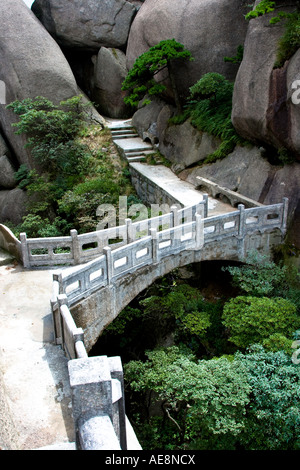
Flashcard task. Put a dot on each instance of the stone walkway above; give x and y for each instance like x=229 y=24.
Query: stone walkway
x=129 y=144
x=34 y=380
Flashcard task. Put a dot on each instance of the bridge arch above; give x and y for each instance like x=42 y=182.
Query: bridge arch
x=95 y=312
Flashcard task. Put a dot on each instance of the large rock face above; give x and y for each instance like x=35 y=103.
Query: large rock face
x=110 y=72
x=209 y=29
x=13 y=205
x=7 y=170
x=32 y=64
x=263 y=111
x=87 y=24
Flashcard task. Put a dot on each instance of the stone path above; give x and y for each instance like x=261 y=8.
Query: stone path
x=182 y=191
x=134 y=150
x=34 y=380
x=129 y=144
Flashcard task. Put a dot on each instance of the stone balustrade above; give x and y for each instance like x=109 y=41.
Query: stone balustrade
x=217 y=191
x=78 y=249
x=81 y=281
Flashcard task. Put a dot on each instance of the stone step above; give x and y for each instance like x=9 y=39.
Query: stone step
x=122 y=131
x=124 y=136
x=137 y=158
x=141 y=152
x=117 y=125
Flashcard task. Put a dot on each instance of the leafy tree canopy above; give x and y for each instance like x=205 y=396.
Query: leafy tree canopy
x=255 y=319
x=198 y=397
x=140 y=79
x=273 y=417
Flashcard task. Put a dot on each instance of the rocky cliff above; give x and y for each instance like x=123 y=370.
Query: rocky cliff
x=60 y=45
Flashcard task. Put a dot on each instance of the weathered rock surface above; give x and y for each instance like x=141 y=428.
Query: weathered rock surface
x=145 y=118
x=209 y=29
x=87 y=24
x=32 y=64
x=12 y=205
x=7 y=171
x=110 y=72
x=244 y=171
x=293 y=97
x=262 y=108
x=184 y=145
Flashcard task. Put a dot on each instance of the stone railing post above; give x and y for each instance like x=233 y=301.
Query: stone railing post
x=91 y=388
x=153 y=233
x=285 y=203
x=75 y=246
x=199 y=232
x=109 y=264
x=24 y=250
x=174 y=211
x=129 y=232
x=116 y=371
x=205 y=203
x=241 y=208
x=62 y=299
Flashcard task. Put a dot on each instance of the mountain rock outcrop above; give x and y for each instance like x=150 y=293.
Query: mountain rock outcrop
x=263 y=111
x=7 y=170
x=209 y=29
x=32 y=64
x=110 y=72
x=87 y=24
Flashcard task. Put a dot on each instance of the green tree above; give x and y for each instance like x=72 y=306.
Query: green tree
x=259 y=276
x=53 y=134
x=198 y=398
x=255 y=319
x=273 y=414
x=140 y=80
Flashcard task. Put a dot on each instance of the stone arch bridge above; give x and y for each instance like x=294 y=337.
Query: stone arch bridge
x=99 y=290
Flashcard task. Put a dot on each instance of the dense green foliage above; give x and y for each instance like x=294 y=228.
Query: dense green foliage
x=209 y=110
x=199 y=398
x=262 y=8
x=250 y=401
x=259 y=276
x=255 y=319
x=75 y=172
x=52 y=134
x=289 y=43
x=273 y=416
x=141 y=79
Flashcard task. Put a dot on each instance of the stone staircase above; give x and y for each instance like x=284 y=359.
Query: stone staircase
x=129 y=144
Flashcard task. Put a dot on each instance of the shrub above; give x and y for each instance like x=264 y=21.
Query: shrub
x=209 y=109
x=254 y=319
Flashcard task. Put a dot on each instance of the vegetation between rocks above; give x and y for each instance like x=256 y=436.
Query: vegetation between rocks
x=209 y=110
x=77 y=168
